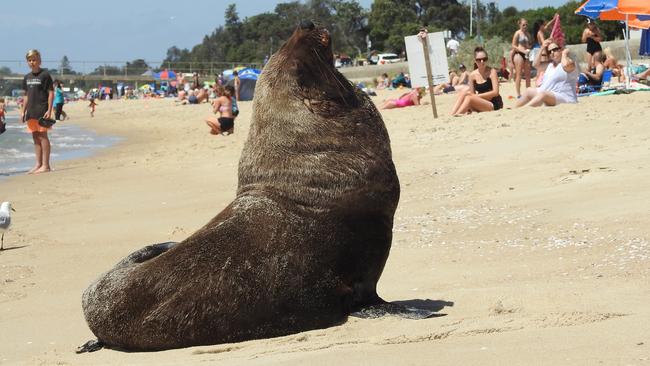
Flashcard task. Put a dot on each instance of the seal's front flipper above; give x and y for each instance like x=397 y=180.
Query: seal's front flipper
x=90 y=346
x=389 y=308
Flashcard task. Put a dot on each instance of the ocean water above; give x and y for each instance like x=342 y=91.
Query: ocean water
x=68 y=142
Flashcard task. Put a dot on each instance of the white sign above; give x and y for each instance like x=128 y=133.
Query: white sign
x=437 y=56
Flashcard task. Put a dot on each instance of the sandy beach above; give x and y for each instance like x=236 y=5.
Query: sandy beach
x=526 y=229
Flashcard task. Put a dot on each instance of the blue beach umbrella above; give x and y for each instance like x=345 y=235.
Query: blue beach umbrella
x=644 y=49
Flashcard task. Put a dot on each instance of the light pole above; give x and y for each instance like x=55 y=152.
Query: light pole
x=471 y=16
x=478 y=20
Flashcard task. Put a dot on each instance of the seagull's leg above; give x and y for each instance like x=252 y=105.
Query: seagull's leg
x=2 y=242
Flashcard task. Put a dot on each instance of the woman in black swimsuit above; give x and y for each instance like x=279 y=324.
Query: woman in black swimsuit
x=591 y=35
x=483 y=94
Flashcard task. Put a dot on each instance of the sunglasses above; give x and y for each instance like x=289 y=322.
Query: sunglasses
x=481 y=59
x=554 y=49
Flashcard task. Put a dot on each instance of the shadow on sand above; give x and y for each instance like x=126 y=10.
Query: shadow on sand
x=410 y=309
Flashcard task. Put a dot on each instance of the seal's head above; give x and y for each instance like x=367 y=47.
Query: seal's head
x=310 y=121
x=304 y=68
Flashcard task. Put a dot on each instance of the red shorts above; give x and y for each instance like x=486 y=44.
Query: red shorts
x=33 y=126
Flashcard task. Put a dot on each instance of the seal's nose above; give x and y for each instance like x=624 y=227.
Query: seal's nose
x=307 y=24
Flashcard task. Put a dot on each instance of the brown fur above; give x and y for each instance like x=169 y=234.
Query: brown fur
x=303 y=243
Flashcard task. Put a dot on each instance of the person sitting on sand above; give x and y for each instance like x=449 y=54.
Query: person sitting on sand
x=202 y=95
x=383 y=81
x=595 y=75
x=226 y=121
x=402 y=80
x=483 y=92
x=539 y=33
x=182 y=95
x=611 y=63
x=457 y=82
x=407 y=99
x=190 y=98
x=559 y=83
x=642 y=75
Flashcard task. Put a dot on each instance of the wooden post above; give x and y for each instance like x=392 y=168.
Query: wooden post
x=427 y=62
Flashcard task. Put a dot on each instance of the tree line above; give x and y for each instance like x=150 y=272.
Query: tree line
x=385 y=24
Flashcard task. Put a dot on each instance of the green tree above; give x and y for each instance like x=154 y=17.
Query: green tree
x=136 y=67
x=107 y=70
x=389 y=22
x=442 y=15
x=350 y=25
x=64 y=66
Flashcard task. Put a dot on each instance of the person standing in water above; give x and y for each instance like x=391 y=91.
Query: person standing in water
x=59 y=100
x=37 y=104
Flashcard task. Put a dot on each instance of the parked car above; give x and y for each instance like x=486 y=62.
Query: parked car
x=342 y=61
x=387 y=58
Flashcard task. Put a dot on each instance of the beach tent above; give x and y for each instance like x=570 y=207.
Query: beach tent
x=637 y=11
x=248 y=78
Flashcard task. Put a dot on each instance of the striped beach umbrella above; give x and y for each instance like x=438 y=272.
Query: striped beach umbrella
x=636 y=12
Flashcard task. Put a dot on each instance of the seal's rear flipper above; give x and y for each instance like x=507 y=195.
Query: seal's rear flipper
x=389 y=308
x=90 y=346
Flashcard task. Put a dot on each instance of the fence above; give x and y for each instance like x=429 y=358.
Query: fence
x=123 y=69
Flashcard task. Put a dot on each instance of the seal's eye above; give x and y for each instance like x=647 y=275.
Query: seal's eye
x=307 y=24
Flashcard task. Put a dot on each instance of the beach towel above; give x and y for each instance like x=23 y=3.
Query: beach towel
x=556 y=33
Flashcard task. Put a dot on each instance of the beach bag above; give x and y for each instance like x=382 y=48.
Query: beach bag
x=46 y=122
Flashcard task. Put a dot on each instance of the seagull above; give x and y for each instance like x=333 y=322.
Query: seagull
x=5 y=220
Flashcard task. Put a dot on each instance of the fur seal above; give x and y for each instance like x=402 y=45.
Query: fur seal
x=305 y=240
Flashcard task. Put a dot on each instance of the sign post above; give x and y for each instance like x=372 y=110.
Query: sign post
x=427 y=64
x=427 y=59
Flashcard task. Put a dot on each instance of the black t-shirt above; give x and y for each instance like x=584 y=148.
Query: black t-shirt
x=37 y=87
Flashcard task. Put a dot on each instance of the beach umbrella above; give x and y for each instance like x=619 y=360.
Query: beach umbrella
x=640 y=24
x=615 y=9
x=644 y=48
x=623 y=10
x=165 y=75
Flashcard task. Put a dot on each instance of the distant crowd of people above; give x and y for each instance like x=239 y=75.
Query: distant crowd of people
x=557 y=79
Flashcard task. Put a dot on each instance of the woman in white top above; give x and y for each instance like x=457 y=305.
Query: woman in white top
x=560 y=79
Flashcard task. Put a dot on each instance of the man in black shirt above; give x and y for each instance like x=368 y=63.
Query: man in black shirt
x=39 y=95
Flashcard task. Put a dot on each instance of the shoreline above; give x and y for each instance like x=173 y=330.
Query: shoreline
x=527 y=228
x=70 y=141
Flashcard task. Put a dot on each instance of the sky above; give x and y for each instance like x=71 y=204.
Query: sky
x=121 y=30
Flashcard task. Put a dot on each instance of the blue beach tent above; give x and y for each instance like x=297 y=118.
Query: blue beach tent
x=248 y=78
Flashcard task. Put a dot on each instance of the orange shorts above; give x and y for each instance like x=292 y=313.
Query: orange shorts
x=33 y=126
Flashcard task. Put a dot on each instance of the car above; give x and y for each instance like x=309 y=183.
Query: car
x=387 y=58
